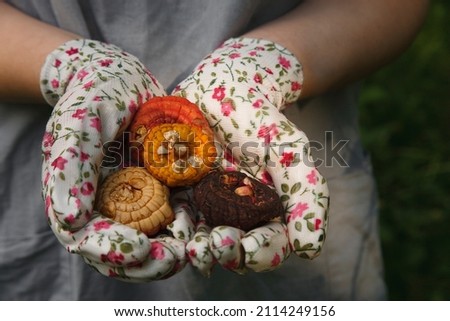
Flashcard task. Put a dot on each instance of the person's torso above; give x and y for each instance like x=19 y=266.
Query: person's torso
x=170 y=37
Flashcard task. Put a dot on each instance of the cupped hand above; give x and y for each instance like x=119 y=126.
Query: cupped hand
x=241 y=88
x=95 y=89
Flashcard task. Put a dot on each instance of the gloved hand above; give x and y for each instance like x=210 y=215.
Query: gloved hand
x=95 y=89
x=241 y=88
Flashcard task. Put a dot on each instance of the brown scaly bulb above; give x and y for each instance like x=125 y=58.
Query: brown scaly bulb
x=235 y=199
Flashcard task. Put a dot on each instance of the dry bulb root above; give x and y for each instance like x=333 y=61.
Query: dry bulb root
x=133 y=197
x=163 y=110
x=178 y=154
x=235 y=199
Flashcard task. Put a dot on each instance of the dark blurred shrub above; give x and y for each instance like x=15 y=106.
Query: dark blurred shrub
x=405 y=120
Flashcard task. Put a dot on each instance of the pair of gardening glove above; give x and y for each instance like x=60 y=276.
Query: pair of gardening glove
x=241 y=87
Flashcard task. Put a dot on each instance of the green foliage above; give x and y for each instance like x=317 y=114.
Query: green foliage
x=405 y=120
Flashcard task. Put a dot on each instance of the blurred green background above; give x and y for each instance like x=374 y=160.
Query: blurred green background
x=405 y=123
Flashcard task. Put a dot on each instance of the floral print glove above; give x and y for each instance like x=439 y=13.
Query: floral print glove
x=95 y=89
x=241 y=88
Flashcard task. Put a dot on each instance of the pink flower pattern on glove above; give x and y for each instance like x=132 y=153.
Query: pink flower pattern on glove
x=242 y=87
x=95 y=89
